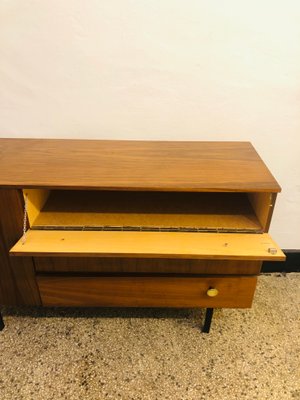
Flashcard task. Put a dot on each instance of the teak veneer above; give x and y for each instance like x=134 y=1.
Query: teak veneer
x=133 y=223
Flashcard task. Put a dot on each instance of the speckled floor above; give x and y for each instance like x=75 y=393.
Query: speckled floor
x=156 y=354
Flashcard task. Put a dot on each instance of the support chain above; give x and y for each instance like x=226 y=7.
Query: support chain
x=25 y=219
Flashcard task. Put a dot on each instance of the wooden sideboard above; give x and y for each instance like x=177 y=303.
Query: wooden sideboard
x=133 y=223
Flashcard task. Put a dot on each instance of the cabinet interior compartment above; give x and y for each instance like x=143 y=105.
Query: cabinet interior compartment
x=221 y=225
x=147 y=211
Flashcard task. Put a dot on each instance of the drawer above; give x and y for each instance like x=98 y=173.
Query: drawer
x=146 y=265
x=149 y=291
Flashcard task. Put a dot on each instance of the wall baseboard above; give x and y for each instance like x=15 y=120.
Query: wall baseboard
x=291 y=264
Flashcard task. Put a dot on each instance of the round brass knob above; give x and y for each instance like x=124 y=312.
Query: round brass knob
x=212 y=292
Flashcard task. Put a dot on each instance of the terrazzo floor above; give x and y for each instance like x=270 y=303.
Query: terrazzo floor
x=156 y=354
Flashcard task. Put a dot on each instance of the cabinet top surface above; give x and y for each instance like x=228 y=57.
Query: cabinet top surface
x=133 y=165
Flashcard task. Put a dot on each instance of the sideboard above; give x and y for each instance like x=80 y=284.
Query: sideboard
x=133 y=223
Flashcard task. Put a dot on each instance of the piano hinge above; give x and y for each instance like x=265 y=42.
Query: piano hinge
x=143 y=229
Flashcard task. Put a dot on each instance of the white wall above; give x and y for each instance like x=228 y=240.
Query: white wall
x=159 y=69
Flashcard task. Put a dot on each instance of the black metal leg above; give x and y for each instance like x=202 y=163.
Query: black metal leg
x=207 y=321
x=1 y=322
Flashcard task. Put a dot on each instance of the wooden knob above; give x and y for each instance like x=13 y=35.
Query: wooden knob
x=212 y=292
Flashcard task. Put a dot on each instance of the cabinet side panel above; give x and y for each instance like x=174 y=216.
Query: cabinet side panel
x=17 y=284
x=8 y=290
x=36 y=200
x=263 y=205
x=271 y=209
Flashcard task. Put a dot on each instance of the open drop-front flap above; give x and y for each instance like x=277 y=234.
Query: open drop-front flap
x=225 y=246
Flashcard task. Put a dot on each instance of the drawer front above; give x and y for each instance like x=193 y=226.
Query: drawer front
x=236 y=292
x=146 y=265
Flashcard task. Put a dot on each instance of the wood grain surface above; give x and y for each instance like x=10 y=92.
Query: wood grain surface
x=133 y=165
x=146 y=291
x=146 y=265
x=225 y=246
x=17 y=275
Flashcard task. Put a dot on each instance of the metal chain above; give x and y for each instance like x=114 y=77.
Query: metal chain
x=25 y=219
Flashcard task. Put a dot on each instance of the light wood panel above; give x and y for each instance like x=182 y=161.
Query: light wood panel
x=150 y=210
x=133 y=165
x=263 y=205
x=36 y=199
x=225 y=246
x=146 y=265
x=146 y=291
